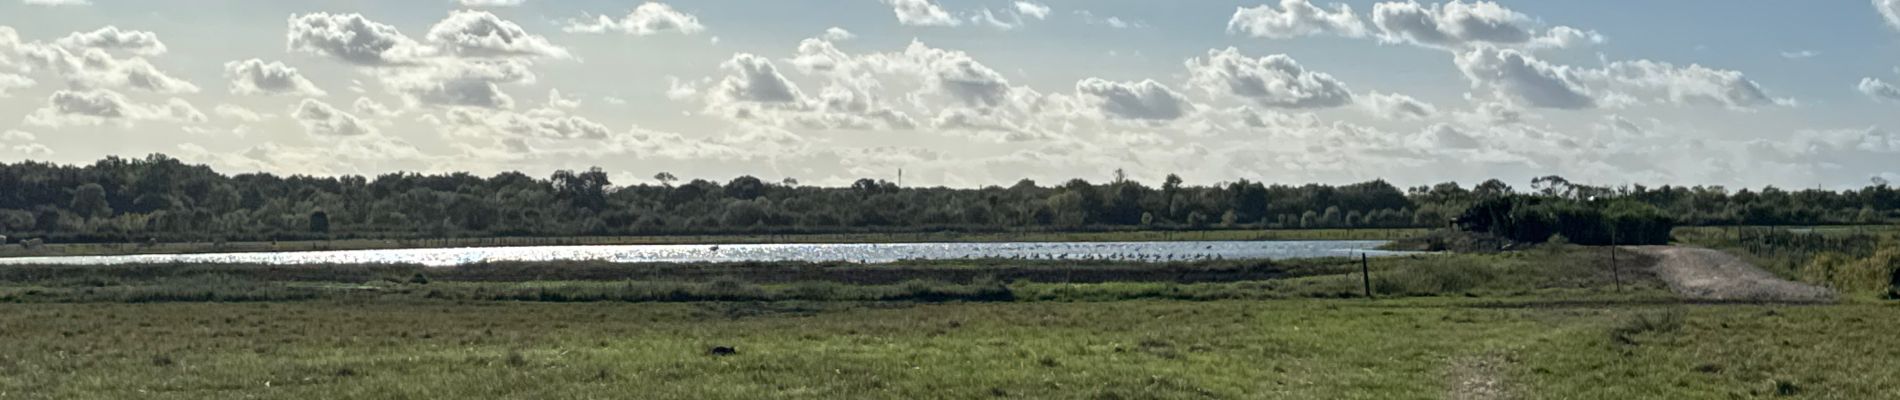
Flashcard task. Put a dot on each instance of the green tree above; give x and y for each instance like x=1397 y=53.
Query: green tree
x=89 y=200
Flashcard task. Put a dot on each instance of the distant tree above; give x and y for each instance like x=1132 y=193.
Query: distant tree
x=745 y=188
x=1552 y=185
x=665 y=178
x=89 y=200
x=1491 y=188
x=320 y=222
x=789 y=182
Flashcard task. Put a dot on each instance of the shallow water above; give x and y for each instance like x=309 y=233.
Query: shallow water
x=869 y=253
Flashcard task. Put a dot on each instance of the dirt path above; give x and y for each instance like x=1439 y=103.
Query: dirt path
x=1704 y=274
x=1478 y=378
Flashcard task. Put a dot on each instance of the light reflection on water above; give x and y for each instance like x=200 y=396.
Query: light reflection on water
x=869 y=253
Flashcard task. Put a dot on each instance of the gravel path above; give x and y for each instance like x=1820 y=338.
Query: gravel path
x=1704 y=274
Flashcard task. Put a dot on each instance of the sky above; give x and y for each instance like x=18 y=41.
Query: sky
x=969 y=93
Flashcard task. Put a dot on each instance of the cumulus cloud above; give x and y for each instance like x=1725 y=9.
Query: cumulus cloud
x=647 y=19
x=1445 y=136
x=482 y=34
x=1456 y=25
x=1396 y=106
x=490 y=3
x=1879 y=89
x=1889 y=10
x=1032 y=9
x=543 y=123
x=255 y=76
x=366 y=106
x=9 y=82
x=556 y=100
x=352 y=38
x=1145 y=100
x=1518 y=76
x=756 y=79
x=953 y=73
x=474 y=83
x=321 y=119
x=836 y=34
x=112 y=38
x=96 y=107
x=1275 y=81
x=921 y=13
x=94 y=67
x=1295 y=18
x=1689 y=85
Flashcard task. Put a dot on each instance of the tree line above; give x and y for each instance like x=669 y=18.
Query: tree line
x=160 y=198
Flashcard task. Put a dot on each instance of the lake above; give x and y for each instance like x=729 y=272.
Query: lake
x=867 y=253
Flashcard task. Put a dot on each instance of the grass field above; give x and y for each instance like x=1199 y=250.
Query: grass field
x=1546 y=323
x=56 y=249
x=1413 y=348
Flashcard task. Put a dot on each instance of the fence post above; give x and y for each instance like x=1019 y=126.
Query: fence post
x=1365 y=273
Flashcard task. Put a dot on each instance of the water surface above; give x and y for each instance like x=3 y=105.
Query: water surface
x=851 y=252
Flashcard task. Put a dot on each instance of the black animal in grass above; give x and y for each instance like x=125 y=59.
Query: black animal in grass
x=721 y=351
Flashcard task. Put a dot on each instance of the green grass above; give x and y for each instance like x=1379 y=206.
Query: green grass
x=1353 y=349
x=921 y=237
x=1546 y=323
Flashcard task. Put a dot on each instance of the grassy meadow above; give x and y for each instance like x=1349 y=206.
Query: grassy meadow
x=1553 y=322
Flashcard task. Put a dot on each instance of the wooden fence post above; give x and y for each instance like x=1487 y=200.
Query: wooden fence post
x=1365 y=273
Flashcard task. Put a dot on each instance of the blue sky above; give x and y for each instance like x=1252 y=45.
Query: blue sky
x=1735 y=93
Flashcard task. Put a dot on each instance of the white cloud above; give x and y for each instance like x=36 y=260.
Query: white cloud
x=1519 y=77
x=93 y=67
x=366 y=106
x=756 y=79
x=647 y=19
x=1145 y=100
x=1456 y=25
x=921 y=13
x=56 y=3
x=8 y=82
x=112 y=38
x=1396 y=106
x=1879 y=89
x=837 y=34
x=474 y=83
x=544 y=123
x=556 y=100
x=951 y=72
x=1444 y=136
x=490 y=3
x=1275 y=81
x=1889 y=10
x=482 y=34
x=1032 y=9
x=255 y=76
x=16 y=136
x=1090 y=18
x=320 y=119
x=352 y=38
x=1295 y=18
x=1690 y=85
x=96 y=107
x=239 y=113
x=1800 y=54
